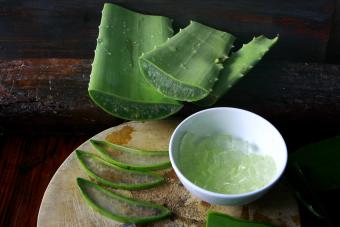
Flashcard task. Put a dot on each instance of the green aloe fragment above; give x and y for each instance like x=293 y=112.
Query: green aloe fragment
x=114 y=176
x=240 y=63
x=218 y=219
x=116 y=83
x=118 y=207
x=187 y=66
x=130 y=158
x=319 y=163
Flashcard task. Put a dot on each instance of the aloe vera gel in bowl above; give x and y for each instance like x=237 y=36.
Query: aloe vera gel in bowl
x=224 y=163
x=227 y=155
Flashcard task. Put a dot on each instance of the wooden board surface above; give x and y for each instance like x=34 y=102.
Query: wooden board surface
x=42 y=94
x=46 y=28
x=62 y=204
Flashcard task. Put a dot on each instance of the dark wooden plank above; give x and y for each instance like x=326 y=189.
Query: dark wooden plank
x=51 y=94
x=27 y=163
x=69 y=28
x=333 y=52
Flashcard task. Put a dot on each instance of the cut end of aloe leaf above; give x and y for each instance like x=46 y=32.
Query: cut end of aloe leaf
x=237 y=66
x=169 y=86
x=187 y=65
x=130 y=158
x=116 y=83
x=130 y=110
x=118 y=207
x=114 y=176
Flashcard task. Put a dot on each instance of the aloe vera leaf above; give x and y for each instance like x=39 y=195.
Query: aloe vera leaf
x=216 y=219
x=118 y=207
x=187 y=65
x=116 y=84
x=114 y=176
x=130 y=158
x=319 y=162
x=240 y=63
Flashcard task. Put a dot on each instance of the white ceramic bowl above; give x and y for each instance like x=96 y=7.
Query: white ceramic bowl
x=239 y=123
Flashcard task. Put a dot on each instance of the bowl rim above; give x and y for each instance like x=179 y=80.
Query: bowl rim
x=217 y=194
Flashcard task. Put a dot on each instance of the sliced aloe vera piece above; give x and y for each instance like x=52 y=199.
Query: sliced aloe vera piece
x=118 y=207
x=132 y=158
x=116 y=84
x=240 y=63
x=187 y=65
x=216 y=219
x=114 y=176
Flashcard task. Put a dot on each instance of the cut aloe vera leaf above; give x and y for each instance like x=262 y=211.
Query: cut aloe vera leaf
x=319 y=162
x=118 y=207
x=116 y=84
x=187 y=66
x=240 y=63
x=114 y=176
x=130 y=158
x=216 y=219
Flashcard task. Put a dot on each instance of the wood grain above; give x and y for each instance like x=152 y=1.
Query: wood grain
x=62 y=204
x=69 y=28
x=50 y=94
x=27 y=164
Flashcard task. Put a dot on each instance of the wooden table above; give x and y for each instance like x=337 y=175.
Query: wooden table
x=46 y=48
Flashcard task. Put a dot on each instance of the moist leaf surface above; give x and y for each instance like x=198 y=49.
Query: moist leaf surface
x=187 y=65
x=118 y=207
x=116 y=84
x=132 y=158
x=114 y=176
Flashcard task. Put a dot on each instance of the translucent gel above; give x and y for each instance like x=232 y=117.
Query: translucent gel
x=225 y=164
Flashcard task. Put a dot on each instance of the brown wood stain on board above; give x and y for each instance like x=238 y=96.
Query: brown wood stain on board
x=71 y=209
x=122 y=136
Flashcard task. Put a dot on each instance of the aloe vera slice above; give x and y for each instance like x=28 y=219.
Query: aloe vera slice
x=132 y=158
x=240 y=63
x=116 y=84
x=216 y=219
x=187 y=65
x=118 y=207
x=114 y=176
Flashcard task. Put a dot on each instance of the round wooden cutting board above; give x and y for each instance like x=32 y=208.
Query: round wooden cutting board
x=62 y=204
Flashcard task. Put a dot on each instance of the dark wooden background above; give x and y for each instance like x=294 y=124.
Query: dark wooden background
x=46 y=48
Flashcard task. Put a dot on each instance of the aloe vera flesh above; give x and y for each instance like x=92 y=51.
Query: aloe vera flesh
x=240 y=63
x=116 y=84
x=132 y=158
x=118 y=207
x=114 y=176
x=187 y=66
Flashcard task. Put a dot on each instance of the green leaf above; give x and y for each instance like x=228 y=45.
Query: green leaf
x=116 y=84
x=114 y=176
x=218 y=220
x=319 y=162
x=240 y=63
x=130 y=158
x=187 y=65
x=118 y=207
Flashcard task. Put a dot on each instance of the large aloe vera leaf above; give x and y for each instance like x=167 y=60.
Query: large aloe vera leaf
x=118 y=207
x=130 y=158
x=114 y=176
x=116 y=84
x=187 y=66
x=240 y=63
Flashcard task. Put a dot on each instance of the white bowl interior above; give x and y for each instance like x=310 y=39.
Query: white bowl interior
x=239 y=123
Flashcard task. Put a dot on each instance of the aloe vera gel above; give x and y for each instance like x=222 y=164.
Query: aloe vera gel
x=223 y=163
